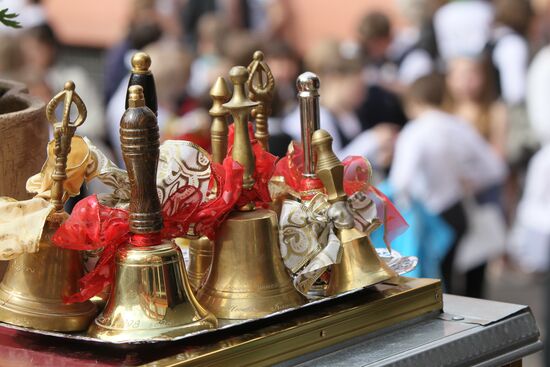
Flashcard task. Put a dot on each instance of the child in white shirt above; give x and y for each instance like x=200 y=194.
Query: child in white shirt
x=440 y=159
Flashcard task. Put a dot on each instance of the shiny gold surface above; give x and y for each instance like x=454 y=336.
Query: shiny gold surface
x=240 y=107
x=310 y=330
x=261 y=91
x=248 y=278
x=218 y=131
x=141 y=62
x=200 y=257
x=329 y=168
x=63 y=133
x=32 y=290
x=34 y=284
x=151 y=297
x=360 y=265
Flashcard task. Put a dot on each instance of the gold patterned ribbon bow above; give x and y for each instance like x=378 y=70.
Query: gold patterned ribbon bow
x=307 y=239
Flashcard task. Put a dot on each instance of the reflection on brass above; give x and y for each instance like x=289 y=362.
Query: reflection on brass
x=32 y=291
x=261 y=91
x=240 y=107
x=142 y=76
x=315 y=330
x=220 y=94
x=200 y=258
x=360 y=265
x=151 y=296
x=247 y=278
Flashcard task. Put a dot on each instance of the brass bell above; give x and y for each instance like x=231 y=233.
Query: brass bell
x=151 y=296
x=31 y=293
x=360 y=265
x=247 y=278
x=33 y=287
x=200 y=258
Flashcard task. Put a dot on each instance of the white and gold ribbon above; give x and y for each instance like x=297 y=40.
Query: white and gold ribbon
x=307 y=239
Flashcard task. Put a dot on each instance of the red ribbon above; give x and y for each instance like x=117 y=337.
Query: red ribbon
x=93 y=226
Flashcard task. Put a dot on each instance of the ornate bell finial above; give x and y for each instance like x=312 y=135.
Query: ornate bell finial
x=329 y=168
x=261 y=92
x=142 y=76
x=63 y=133
x=218 y=131
x=240 y=106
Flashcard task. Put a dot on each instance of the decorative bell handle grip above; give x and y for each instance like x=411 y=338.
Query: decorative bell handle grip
x=261 y=91
x=139 y=138
x=141 y=75
x=218 y=131
x=308 y=85
x=63 y=133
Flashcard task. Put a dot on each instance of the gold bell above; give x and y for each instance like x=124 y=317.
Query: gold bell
x=247 y=278
x=31 y=293
x=151 y=296
x=33 y=287
x=360 y=265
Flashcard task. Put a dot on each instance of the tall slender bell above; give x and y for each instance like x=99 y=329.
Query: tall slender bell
x=247 y=278
x=32 y=291
x=151 y=296
x=201 y=249
x=360 y=265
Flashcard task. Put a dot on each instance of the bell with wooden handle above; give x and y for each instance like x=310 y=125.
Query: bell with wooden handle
x=151 y=296
x=248 y=278
x=360 y=265
x=32 y=290
x=201 y=249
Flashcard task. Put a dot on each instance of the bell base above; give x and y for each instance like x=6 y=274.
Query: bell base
x=247 y=278
x=151 y=298
x=115 y=335
x=51 y=315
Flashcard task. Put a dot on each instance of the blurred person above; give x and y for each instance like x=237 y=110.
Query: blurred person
x=144 y=29
x=414 y=47
x=285 y=65
x=239 y=46
x=471 y=96
x=375 y=38
x=170 y=64
x=439 y=160
x=11 y=57
x=342 y=92
x=46 y=75
x=463 y=27
x=211 y=30
x=508 y=48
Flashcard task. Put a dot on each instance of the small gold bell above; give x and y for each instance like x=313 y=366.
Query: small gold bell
x=247 y=278
x=32 y=290
x=360 y=265
x=151 y=296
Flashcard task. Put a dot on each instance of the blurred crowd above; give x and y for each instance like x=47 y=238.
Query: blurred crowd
x=452 y=109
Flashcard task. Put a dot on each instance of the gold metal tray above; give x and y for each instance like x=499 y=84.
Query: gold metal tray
x=297 y=331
